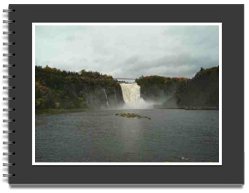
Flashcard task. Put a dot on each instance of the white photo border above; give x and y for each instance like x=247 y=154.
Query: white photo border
x=128 y=163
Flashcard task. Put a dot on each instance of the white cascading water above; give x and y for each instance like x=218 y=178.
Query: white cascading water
x=132 y=98
x=106 y=98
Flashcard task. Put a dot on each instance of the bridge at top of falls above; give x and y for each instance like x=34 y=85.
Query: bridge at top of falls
x=130 y=80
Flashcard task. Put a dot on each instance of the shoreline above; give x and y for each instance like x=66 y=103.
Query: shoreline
x=59 y=111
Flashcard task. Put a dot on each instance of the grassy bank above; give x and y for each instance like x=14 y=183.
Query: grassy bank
x=58 y=111
x=186 y=108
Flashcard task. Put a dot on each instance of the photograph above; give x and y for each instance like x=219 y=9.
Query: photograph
x=127 y=93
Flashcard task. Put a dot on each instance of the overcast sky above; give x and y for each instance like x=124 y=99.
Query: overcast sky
x=128 y=51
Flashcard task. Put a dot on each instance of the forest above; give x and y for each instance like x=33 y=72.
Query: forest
x=201 y=91
x=57 y=89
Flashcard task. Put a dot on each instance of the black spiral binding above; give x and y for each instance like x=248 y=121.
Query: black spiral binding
x=9 y=99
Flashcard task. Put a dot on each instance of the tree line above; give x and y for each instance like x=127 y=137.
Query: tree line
x=201 y=91
x=58 y=89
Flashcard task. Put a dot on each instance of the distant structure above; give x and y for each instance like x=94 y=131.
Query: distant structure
x=125 y=80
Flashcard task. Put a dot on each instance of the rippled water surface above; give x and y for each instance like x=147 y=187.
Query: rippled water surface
x=100 y=136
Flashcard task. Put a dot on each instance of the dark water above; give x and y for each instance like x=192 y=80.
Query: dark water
x=100 y=136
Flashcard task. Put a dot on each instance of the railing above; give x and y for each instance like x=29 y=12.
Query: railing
x=129 y=80
x=125 y=78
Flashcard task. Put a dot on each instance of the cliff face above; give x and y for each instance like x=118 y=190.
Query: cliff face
x=159 y=89
x=60 y=89
x=56 y=89
x=200 y=91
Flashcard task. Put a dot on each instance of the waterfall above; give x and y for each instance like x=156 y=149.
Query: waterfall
x=106 y=98
x=132 y=98
x=116 y=100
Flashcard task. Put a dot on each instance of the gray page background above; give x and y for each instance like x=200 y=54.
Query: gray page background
x=232 y=170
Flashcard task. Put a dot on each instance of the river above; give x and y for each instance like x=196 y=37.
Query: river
x=171 y=135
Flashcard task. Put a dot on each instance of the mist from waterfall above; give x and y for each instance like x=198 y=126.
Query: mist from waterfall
x=132 y=97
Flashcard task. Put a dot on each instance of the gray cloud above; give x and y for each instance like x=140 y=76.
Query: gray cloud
x=128 y=51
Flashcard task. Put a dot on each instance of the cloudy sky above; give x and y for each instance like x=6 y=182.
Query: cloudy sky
x=128 y=51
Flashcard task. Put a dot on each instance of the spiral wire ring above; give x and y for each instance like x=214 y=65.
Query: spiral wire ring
x=8 y=10
x=8 y=99
x=8 y=131
x=8 y=43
